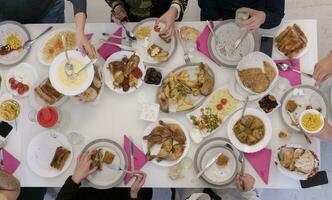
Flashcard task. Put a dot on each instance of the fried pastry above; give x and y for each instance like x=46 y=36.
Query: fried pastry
x=48 y=93
x=60 y=157
x=108 y=157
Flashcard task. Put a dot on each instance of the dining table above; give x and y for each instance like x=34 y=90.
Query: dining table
x=116 y=115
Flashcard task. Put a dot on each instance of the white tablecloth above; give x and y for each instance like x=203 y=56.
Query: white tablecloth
x=117 y=115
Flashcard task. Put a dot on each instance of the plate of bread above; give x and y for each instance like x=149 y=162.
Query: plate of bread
x=49 y=154
x=107 y=156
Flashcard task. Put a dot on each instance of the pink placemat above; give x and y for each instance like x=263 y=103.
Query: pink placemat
x=139 y=157
x=10 y=162
x=202 y=42
x=89 y=36
x=293 y=77
x=105 y=50
x=261 y=161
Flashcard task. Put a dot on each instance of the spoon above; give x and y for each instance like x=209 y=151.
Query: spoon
x=75 y=74
x=245 y=106
x=69 y=68
x=28 y=43
x=285 y=67
x=129 y=34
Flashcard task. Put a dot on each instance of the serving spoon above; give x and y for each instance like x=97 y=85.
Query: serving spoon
x=28 y=44
x=129 y=34
x=286 y=67
x=69 y=68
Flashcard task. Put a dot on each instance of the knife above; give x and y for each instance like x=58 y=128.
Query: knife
x=206 y=167
x=121 y=46
x=299 y=127
x=1 y=159
x=132 y=160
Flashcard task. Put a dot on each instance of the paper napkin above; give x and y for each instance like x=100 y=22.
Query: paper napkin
x=105 y=50
x=293 y=77
x=261 y=161
x=10 y=162
x=202 y=42
x=139 y=157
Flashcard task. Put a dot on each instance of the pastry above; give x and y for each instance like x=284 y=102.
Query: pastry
x=48 y=93
x=189 y=33
x=108 y=157
x=222 y=160
x=97 y=159
x=60 y=157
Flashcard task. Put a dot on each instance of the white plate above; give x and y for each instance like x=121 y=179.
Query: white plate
x=108 y=77
x=274 y=109
x=2 y=82
x=253 y=60
x=6 y=28
x=155 y=149
x=54 y=73
x=293 y=174
x=45 y=40
x=141 y=47
x=197 y=113
x=250 y=148
x=41 y=150
x=311 y=96
x=24 y=73
x=107 y=178
x=240 y=94
x=303 y=52
x=228 y=32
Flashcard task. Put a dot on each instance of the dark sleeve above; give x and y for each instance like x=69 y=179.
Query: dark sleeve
x=183 y=5
x=275 y=11
x=79 y=6
x=69 y=190
x=209 y=10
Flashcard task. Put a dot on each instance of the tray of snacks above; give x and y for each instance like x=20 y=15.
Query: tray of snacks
x=107 y=156
x=296 y=162
x=12 y=37
x=123 y=72
x=186 y=87
x=52 y=45
x=222 y=49
x=166 y=142
x=151 y=44
x=301 y=98
x=49 y=154
x=250 y=133
x=291 y=41
x=226 y=165
x=213 y=113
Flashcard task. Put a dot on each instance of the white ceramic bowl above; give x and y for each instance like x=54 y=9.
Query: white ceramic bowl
x=312 y=111
x=244 y=147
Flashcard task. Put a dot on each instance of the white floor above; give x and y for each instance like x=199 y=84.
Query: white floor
x=295 y=9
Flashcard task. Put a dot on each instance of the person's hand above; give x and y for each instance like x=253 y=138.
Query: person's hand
x=138 y=183
x=245 y=182
x=169 y=19
x=82 y=169
x=325 y=134
x=85 y=46
x=119 y=14
x=257 y=18
x=323 y=69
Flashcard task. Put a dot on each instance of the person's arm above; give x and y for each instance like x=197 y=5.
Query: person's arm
x=69 y=190
x=323 y=69
x=209 y=10
x=250 y=195
x=275 y=11
x=180 y=6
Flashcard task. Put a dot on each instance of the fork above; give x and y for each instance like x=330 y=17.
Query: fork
x=118 y=168
x=186 y=54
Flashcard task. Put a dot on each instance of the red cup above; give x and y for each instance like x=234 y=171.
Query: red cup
x=48 y=117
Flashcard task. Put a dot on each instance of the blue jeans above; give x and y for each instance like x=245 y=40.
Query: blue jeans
x=55 y=13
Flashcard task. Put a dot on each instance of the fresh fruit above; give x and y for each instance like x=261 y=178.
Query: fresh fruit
x=137 y=73
x=220 y=107
x=308 y=107
x=12 y=80
x=19 y=86
x=223 y=101
x=156 y=28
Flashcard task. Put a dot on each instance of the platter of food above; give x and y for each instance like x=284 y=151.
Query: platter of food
x=223 y=51
x=52 y=45
x=107 y=156
x=301 y=98
x=123 y=72
x=186 y=87
x=94 y=91
x=223 y=171
x=151 y=44
x=296 y=162
x=49 y=154
x=256 y=73
x=62 y=82
x=250 y=133
x=12 y=37
x=166 y=142
x=21 y=79
x=10 y=108
x=291 y=41
x=213 y=113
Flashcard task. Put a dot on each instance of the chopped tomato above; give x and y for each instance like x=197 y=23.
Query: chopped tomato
x=137 y=73
x=219 y=107
x=19 y=85
x=13 y=86
x=223 y=101
x=156 y=28
x=12 y=80
x=21 y=90
x=319 y=109
x=308 y=107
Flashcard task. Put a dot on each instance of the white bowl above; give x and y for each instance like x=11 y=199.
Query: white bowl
x=312 y=111
x=54 y=70
x=274 y=109
x=244 y=147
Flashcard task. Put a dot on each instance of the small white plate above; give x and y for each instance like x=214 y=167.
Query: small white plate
x=24 y=73
x=41 y=151
x=262 y=143
x=155 y=149
x=54 y=73
x=108 y=77
x=274 y=109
